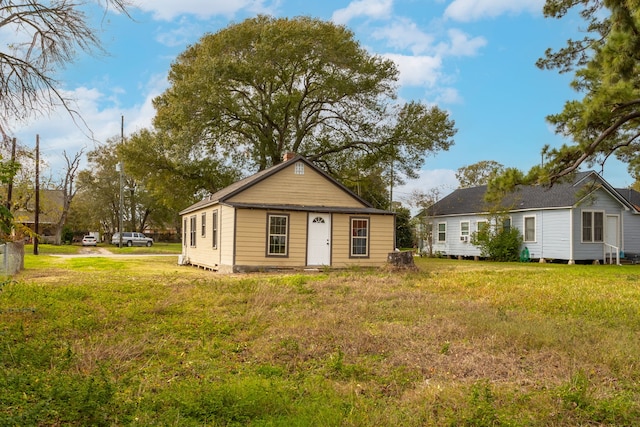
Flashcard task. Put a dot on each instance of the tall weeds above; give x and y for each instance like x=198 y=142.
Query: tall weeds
x=457 y=343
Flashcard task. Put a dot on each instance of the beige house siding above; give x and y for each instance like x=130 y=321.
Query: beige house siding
x=296 y=190
x=227 y=231
x=251 y=239
x=381 y=240
x=203 y=253
x=288 y=188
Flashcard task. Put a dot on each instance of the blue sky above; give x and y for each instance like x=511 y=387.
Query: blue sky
x=473 y=58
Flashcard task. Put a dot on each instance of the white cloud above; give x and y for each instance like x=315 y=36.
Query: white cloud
x=473 y=10
x=448 y=95
x=181 y=34
x=461 y=45
x=101 y=119
x=405 y=34
x=169 y=9
x=368 y=8
x=417 y=70
x=441 y=180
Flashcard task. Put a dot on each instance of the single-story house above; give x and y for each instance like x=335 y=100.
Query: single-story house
x=292 y=215
x=579 y=221
x=51 y=205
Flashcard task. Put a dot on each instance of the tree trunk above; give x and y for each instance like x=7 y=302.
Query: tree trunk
x=401 y=259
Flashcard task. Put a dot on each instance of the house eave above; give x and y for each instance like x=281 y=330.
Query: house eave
x=198 y=206
x=550 y=208
x=305 y=208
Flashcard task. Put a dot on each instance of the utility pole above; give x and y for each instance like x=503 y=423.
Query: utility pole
x=36 y=217
x=121 y=169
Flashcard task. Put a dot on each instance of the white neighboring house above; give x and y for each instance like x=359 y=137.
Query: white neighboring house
x=579 y=221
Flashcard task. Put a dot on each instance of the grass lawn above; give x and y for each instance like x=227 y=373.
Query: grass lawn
x=76 y=248
x=142 y=341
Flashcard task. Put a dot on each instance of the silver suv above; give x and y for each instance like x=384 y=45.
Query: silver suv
x=131 y=239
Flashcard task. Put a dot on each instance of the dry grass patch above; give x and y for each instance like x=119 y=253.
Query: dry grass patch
x=458 y=343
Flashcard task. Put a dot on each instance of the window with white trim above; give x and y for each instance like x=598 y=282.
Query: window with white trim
x=214 y=229
x=529 y=228
x=442 y=232
x=482 y=225
x=193 y=224
x=592 y=226
x=359 y=237
x=203 y=225
x=299 y=168
x=184 y=232
x=278 y=233
x=464 y=228
x=506 y=225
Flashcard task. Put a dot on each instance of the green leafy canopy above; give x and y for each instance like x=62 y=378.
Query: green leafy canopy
x=253 y=91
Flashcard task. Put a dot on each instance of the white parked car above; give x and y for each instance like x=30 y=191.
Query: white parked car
x=89 y=240
x=132 y=239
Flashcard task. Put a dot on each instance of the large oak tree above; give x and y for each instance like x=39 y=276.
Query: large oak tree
x=255 y=90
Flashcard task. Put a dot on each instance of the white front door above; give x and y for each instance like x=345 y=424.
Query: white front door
x=612 y=231
x=319 y=242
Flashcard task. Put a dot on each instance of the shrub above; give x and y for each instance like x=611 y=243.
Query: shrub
x=501 y=244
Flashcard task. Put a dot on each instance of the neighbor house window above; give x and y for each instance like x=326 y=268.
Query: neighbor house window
x=203 y=226
x=278 y=230
x=442 y=232
x=359 y=237
x=529 y=228
x=592 y=226
x=464 y=228
x=193 y=224
x=214 y=229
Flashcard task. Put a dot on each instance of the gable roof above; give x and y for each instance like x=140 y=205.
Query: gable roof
x=631 y=195
x=526 y=197
x=226 y=193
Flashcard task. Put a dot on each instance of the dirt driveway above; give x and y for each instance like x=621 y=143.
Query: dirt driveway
x=90 y=251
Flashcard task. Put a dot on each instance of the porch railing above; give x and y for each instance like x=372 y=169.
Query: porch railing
x=609 y=251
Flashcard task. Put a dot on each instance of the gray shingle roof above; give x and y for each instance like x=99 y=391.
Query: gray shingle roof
x=524 y=197
x=631 y=195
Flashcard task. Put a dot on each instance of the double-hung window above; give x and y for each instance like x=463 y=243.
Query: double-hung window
x=529 y=228
x=184 y=232
x=359 y=237
x=203 y=225
x=506 y=225
x=464 y=231
x=442 y=232
x=592 y=226
x=278 y=233
x=193 y=222
x=482 y=226
x=214 y=229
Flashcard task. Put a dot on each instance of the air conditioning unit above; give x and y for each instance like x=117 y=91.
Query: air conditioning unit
x=464 y=238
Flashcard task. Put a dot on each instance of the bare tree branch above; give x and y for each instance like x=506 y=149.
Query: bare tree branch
x=48 y=36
